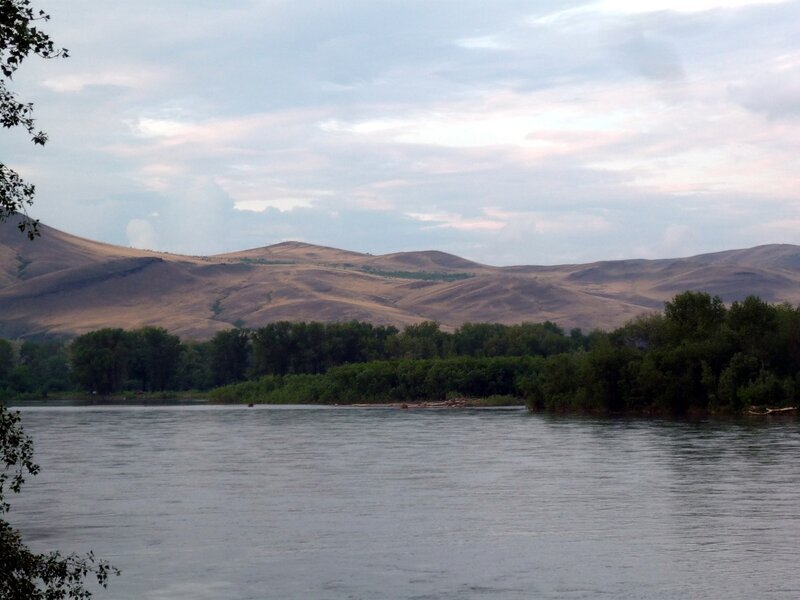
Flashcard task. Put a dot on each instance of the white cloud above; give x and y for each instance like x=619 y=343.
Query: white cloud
x=550 y=224
x=517 y=223
x=545 y=123
x=484 y=42
x=163 y=128
x=141 y=234
x=160 y=177
x=675 y=240
x=684 y=6
x=420 y=129
x=452 y=221
x=118 y=76
x=636 y=7
x=282 y=204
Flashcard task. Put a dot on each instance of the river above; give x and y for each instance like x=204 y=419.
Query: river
x=202 y=502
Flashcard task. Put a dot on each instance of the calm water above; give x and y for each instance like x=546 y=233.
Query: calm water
x=215 y=503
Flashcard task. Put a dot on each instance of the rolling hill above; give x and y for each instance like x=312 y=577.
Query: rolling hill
x=61 y=284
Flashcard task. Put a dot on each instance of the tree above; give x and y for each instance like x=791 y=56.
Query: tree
x=99 y=360
x=423 y=340
x=754 y=323
x=694 y=315
x=153 y=357
x=19 y=37
x=193 y=371
x=25 y=575
x=230 y=355
x=49 y=362
x=6 y=359
x=273 y=347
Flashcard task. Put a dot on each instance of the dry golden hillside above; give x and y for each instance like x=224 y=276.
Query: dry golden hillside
x=62 y=284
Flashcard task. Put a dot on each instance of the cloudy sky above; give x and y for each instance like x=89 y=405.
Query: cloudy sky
x=508 y=132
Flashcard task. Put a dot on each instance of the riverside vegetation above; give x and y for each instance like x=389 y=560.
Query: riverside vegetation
x=696 y=356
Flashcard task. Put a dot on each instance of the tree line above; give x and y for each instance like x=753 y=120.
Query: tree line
x=697 y=355
x=150 y=359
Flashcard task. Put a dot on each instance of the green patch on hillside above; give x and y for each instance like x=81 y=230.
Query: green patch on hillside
x=264 y=261
x=420 y=275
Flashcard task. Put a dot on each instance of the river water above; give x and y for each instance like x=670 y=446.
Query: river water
x=198 y=502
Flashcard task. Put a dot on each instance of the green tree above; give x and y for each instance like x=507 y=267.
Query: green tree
x=20 y=36
x=193 y=371
x=273 y=346
x=99 y=360
x=540 y=339
x=742 y=370
x=422 y=340
x=643 y=333
x=25 y=575
x=605 y=375
x=755 y=323
x=48 y=361
x=786 y=347
x=475 y=339
x=153 y=357
x=6 y=359
x=694 y=315
x=230 y=355
x=557 y=385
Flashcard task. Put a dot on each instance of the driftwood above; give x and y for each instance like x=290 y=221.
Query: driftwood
x=754 y=410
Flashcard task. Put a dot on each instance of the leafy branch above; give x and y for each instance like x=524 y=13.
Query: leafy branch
x=25 y=575
x=20 y=36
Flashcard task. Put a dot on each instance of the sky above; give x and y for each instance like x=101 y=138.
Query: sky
x=507 y=132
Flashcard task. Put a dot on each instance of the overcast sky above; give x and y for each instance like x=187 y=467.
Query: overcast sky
x=504 y=131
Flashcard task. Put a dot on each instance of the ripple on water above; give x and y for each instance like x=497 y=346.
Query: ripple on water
x=219 y=502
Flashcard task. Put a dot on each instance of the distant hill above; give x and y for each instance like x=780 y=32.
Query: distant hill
x=65 y=285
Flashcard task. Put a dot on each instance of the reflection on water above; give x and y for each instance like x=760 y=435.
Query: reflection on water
x=227 y=502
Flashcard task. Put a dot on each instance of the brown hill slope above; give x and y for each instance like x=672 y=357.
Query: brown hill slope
x=62 y=284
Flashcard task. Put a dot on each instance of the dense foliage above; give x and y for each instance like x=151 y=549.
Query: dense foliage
x=150 y=359
x=390 y=381
x=698 y=355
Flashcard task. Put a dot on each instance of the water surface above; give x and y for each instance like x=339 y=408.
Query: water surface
x=200 y=502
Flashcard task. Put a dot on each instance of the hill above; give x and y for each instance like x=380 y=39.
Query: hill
x=61 y=284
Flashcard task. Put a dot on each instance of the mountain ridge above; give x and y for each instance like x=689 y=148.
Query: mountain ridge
x=60 y=284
